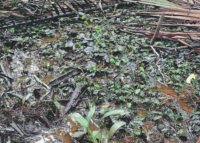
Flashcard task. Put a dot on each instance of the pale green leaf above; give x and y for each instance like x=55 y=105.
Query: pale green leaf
x=96 y=134
x=157 y=117
x=116 y=126
x=80 y=119
x=91 y=113
x=137 y=91
x=115 y=112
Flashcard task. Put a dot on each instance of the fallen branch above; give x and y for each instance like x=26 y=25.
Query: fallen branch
x=74 y=98
x=157 y=29
x=170 y=48
x=40 y=82
x=63 y=77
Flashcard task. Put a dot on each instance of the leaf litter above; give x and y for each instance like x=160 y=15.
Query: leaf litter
x=45 y=70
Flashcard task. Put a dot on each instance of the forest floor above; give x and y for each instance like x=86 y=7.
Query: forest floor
x=99 y=66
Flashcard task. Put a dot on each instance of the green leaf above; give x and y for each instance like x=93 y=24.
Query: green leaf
x=122 y=98
x=61 y=19
x=116 y=126
x=105 y=135
x=96 y=134
x=137 y=133
x=157 y=117
x=115 y=112
x=117 y=63
x=12 y=30
x=83 y=16
x=91 y=19
x=137 y=91
x=142 y=69
x=129 y=105
x=112 y=61
x=91 y=113
x=47 y=64
x=80 y=119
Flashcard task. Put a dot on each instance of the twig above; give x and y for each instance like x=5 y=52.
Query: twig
x=15 y=95
x=45 y=95
x=75 y=96
x=42 y=83
x=14 y=126
x=63 y=77
x=42 y=7
x=158 y=57
x=157 y=29
x=169 y=48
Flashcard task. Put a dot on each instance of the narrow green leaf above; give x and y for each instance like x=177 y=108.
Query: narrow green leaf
x=80 y=119
x=91 y=113
x=96 y=134
x=105 y=135
x=157 y=117
x=116 y=126
x=115 y=112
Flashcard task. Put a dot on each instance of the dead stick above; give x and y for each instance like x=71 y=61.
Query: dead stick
x=157 y=29
x=42 y=7
x=75 y=95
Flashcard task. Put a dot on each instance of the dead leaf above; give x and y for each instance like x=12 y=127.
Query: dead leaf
x=185 y=105
x=198 y=140
x=57 y=37
x=47 y=78
x=66 y=138
x=183 y=101
x=141 y=113
x=129 y=139
x=74 y=125
x=171 y=140
x=197 y=50
x=165 y=90
x=148 y=126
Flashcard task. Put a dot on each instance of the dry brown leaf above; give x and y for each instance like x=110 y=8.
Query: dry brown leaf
x=66 y=138
x=148 y=126
x=183 y=101
x=57 y=37
x=74 y=126
x=93 y=127
x=47 y=78
x=141 y=113
x=165 y=90
x=129 y=139
x=198 y=140
x=185 y=105
x=171 y=140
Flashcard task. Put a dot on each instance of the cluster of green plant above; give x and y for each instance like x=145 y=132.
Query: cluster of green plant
x=100 y=135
